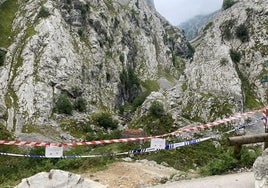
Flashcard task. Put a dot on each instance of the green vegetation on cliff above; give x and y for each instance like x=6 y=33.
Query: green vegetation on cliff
x=7 y=11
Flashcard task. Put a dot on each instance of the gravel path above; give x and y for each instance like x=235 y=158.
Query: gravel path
x=239 y=180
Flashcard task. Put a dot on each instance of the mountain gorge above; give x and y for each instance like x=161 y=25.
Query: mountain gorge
x=103 y=55
x=193 y=25
x=94 y=50
x=231 y=56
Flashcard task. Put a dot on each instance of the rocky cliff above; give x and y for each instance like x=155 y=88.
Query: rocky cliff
x=228 y=72
x=230 y=59
x=193 y=25
x=82 y=49
x=100 y=55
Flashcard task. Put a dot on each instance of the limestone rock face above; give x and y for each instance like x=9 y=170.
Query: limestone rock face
x=230 y=56
x=98 y=49
x=260 y=168
x=59 y=179
x=226 y=74
x=82 y=48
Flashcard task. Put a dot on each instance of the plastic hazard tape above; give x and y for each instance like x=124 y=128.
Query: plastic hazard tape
x=62 y=157
x=132 y=152
x=169 y=146
x=215 y=123
x=194 y=141
x=136 y=151
x=175 y=133
x=26 y=143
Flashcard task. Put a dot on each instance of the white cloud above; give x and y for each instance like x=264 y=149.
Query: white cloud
x=177 y=11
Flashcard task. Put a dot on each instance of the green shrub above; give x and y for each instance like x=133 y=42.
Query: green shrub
x=129 y=84
x=139 y=100
x=227 y=4
x=191 y=51
x=248 y=156
x=8 y=10
x=224 y=163
x=208 y=26
x=84 y=10
x=159 y=125
x=80 y=104
x=226 y=29
x=2 y=57
x=157 y=109
x=223 y=61
x=64 y=105
x=122 y=58
x=235 y=56
x=4 y=133
x=242 y=33
x=80 y=32
x=43 y=13
x=105 y=120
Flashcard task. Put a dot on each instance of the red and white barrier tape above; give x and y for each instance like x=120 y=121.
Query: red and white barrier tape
x=196 y=128
x=133 y=152
x=215 y=123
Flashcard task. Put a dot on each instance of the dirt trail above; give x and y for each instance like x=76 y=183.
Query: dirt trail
x=238 y=180
x=144 y=174
x=132 y=174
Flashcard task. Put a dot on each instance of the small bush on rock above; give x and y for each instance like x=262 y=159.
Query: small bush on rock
x=218 y=166
x=43 y=13
x=105 y=120
x=235 y=56
x=227 y=4
x=80 y=105
x=157 y=109
x=64 y=105
x=242 y=33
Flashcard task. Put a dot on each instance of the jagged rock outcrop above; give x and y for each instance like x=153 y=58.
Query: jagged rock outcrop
x=260 y=168
x=83 y=49
x=192 y=26
x=229 y=58
x=226 y=73
x=106 y=52
x=59 y=179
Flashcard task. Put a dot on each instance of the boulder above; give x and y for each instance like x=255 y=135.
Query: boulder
x=59 y=179
x=260 y=168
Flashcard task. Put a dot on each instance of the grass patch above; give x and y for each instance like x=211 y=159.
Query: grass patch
x=205 y=156
x=150 y=85
x=7 y=14
x=250 y=99
x=155 y=125
x=30 y=129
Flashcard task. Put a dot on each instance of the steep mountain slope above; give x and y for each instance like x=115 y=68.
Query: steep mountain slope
x=192 y=26
x=228 y=72
x=230 y=58
x=90 y=50
x=106 y=54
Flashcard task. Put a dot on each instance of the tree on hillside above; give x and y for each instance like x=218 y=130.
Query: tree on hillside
x=227 y=4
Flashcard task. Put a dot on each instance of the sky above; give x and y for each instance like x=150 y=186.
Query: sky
x=178 y=11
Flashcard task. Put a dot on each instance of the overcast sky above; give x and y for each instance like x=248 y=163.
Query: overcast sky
x=178 y=11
